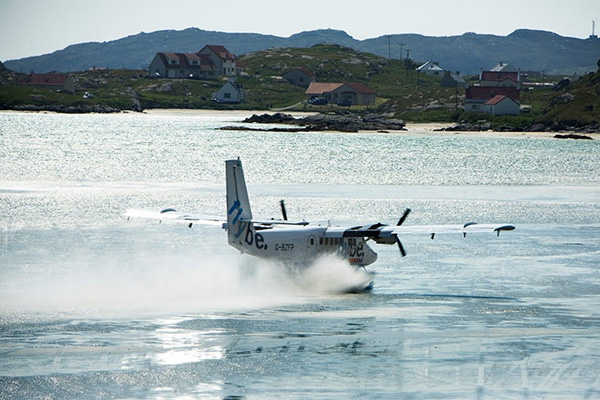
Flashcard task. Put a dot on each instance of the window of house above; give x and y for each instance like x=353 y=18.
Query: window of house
x=227 y=95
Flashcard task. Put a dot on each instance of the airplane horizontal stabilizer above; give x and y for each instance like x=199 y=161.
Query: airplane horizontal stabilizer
x=172 y=215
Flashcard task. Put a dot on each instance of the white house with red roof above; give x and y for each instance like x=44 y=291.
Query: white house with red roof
x=349 y=93
x=497 y=92
x=502 y=105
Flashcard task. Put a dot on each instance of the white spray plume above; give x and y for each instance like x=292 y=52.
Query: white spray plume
x=179 y=284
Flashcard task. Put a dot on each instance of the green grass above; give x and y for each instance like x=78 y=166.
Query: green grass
x=400 y=91
x=583 y=109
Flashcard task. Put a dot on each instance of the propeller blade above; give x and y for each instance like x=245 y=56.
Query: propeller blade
x=403 y=217
x=283 y=211
x=400 y=247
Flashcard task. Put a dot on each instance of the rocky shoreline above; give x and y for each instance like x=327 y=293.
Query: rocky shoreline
x=78 y=109
x=324 y=122
x=564 y=131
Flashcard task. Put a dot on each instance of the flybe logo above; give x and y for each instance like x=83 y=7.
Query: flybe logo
x=236 y=206
x=251 y=238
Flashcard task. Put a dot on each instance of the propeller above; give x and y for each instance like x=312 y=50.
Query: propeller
x=282 y=204
x=400 y=222
x=403 y=217
x=400 y=247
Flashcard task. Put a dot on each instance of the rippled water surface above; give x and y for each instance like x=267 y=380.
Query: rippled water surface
x=94 y=306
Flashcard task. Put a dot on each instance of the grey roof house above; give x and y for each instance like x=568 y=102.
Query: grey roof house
x=299 y=77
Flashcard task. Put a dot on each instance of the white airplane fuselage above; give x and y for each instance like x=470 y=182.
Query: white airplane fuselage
x=297 y=243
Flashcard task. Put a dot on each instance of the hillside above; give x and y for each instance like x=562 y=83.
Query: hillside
x=468 y=53
x=578 y=104
x=401 y=92
x=131 y=89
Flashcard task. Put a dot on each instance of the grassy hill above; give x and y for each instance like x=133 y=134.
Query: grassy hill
x=130 y=89
x=575 y=105
x=401 y=91
x=399 y=88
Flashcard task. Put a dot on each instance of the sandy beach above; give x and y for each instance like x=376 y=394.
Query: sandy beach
x=431 y=128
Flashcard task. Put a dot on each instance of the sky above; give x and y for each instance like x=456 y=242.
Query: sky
x=35 y=27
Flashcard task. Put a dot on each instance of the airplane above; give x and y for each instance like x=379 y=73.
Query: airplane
x=301 y=242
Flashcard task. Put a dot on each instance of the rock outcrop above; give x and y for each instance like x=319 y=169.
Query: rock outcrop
x=331 y=122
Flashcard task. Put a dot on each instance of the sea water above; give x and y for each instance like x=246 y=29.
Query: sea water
x=95 y=306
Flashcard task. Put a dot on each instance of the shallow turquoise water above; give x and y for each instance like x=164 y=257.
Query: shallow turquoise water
x=94 y=306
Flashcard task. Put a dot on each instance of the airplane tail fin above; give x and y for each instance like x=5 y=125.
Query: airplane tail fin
x=238 y=204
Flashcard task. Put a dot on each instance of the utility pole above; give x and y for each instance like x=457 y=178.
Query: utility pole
x=407 y=60
x=389 y=48
x=401 y=46
x=456 y=96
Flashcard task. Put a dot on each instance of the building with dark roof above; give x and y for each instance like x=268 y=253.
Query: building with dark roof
x=299 y=77
x=223 y=59
x=183 y=65
x=453 y=80
x=209 y=63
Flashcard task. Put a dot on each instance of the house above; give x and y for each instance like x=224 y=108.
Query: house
x=51 y=81
x=477 y=97
x=223 y=59
x=502 y=105
x=431 y=68
x=500 y=78
x=350 y=93
x=209 y=63
x=183 y=65
x=504 y=67
x=453 y=80
x=497 y=91
x=230 y=92
x=299 y=77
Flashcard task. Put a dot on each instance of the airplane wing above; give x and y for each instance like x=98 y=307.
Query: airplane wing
x=388 y=234
x=382 y=231
x=172 y=215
